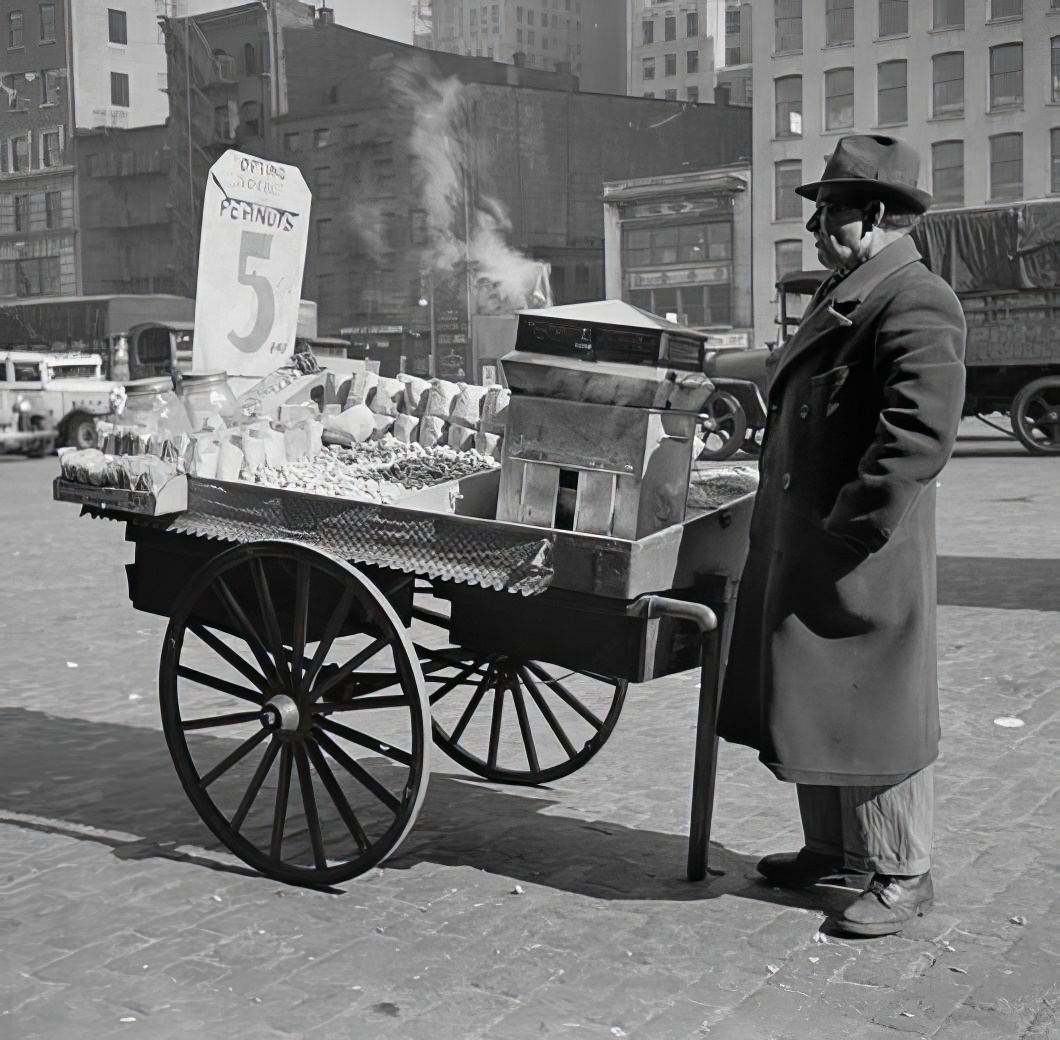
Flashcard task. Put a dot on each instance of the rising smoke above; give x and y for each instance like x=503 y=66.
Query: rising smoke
x=464 y=227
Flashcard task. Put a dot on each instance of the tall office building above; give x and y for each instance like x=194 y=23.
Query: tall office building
x=680 y=50
x=583 y=37
x=974 y=87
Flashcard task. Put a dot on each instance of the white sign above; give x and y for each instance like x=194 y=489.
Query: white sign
x=255 y=223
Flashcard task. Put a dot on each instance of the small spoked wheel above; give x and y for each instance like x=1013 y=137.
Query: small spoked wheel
x=1036 y=416
x=516 y=721
x=295 y=712
x=722 y=427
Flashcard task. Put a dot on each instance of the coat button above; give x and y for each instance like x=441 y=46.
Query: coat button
x=774 y=408
x=804 y=411
x=786 y=481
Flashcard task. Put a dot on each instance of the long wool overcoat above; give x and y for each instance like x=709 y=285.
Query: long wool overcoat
x=832 y=671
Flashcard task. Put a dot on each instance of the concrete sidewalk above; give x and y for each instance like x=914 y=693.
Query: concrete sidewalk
x=513 y=913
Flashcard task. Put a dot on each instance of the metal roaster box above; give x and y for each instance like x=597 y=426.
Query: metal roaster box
x=610 y=330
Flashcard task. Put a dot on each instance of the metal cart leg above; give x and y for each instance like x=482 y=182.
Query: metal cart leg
x=705 y=756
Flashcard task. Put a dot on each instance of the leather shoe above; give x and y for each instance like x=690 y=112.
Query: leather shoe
x=887 y=905
x=798 y=869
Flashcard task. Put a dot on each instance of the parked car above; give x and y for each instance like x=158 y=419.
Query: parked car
x=49 y=400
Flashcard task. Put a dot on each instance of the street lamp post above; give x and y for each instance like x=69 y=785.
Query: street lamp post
x=427 y=300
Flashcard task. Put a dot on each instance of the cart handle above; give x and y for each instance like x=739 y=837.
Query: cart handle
x=659 y=606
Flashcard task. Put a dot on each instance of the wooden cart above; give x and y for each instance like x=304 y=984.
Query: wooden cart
x=316 y=646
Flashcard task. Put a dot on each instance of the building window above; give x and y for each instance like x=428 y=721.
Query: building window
x=290 y=142
x=788 y=106
x=670 y=94
x=119 y=89
x=838 y=99
x=692 y=23
x=693 y=95
x=692 y=62
x=787 y=26
x=323 y=228
x=947 y=14
x=647 y=68
x=1054 y=142
x=250 y=60
x=648 y=30
x=47 y=23
x=1006 y=9
x=117 y=25
x=37 y=277
x=649 y=93
x=53 y=209
x=1006 y=75
x=51 y=148
x=787 y=257
x=14 y=29
x=891 y=103
x=49 y=86
x=682 y=244
x=19 y=153
x=222 y=123
x=894 y=17
x=1056 y=68
x=787 y=176
x=21 y=212
x=321 y=137
x=947 y=84
x=669 y=28
x=1006 y=166
x=947 y=173
x=669 y=64
x=839 y=22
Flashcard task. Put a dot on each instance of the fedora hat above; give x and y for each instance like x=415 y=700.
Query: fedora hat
x=873 y=166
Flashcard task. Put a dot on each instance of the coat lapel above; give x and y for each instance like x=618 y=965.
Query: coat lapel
x=836 y=306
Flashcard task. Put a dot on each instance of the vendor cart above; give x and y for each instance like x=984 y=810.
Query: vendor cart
x=317 y=646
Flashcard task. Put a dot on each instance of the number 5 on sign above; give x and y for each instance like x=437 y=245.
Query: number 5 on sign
x=255 y=225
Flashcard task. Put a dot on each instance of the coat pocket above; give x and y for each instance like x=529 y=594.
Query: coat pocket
x=826 y=389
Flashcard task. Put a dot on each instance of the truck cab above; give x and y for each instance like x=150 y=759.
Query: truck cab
x=48 y=399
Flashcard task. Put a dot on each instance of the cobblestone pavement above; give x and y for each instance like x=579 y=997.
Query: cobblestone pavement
x=513 y=913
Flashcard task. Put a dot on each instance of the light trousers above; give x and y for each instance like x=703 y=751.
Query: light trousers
x=883 y=830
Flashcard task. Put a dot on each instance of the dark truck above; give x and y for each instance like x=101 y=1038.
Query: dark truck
x=1004 y=264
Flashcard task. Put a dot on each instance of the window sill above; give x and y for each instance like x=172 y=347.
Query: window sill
x=1007 y=200
x=1006 y=20
x=787 y=54
x=1004 y=110
x=46 y=43
x=20 y=47
x=787 y=137
x=946 y=117
x=837 y=46
x=787 y=221
x=946 y=29
x=887 y=39
x=832 y=131
x=890 y=126
x=48 y=104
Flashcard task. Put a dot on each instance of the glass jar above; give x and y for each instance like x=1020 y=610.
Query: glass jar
x=152 y=405
x=207 y=395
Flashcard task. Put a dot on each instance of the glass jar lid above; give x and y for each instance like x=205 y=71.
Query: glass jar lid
x=151 y=385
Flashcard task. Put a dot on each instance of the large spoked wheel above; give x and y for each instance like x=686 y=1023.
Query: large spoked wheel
x=1036 y=416
x=722 y=426
x=516 y=721
x=271 y=687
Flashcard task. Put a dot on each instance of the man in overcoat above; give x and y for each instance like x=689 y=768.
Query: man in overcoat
x=832 y=674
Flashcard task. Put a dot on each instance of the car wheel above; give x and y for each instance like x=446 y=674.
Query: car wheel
x=81 y=431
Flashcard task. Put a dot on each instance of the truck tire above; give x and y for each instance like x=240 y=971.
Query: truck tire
x=723 y=427
x=79 y=431
x=1035 y=416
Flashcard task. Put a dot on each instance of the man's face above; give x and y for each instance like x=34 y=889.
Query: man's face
x=838 y=228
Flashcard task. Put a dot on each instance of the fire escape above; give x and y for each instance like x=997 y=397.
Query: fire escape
x=196 y=136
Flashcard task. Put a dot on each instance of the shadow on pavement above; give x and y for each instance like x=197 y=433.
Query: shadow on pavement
x=999 y=582
x=70 y=773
